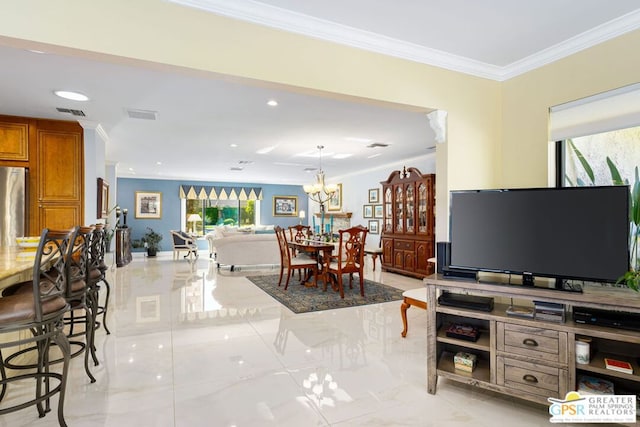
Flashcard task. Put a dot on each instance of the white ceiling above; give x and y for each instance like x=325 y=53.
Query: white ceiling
x=198 y=117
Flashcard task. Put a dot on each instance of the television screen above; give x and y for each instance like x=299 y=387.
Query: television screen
x=572 y=233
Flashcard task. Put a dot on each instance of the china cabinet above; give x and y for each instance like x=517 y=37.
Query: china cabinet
x=408 y=233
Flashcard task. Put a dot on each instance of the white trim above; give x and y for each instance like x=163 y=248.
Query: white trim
x=286 y=20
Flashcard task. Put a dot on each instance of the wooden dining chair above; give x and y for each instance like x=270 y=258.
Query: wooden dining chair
x=299 y=232
x=350 y=257
x=290 y=263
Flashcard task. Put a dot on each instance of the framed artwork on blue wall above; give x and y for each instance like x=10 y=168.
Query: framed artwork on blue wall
x=148 y=204
x=285 y=206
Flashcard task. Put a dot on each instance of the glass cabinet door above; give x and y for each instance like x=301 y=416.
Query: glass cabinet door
x=422 y=208
x=410 y=226
x=388 y=210
x=398 y=226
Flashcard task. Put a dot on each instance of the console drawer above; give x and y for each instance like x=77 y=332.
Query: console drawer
x=534 y=378
x=537 y=343
x=404 y=245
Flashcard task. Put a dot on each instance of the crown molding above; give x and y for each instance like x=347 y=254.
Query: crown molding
x=95 y=126
x=287 y=20
x=593 y=37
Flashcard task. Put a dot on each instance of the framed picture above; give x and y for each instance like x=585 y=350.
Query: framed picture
x=335 y=202
x=285 y=206
x=374 y=195
x=148 y=204
x=367 y=211
x=103 y=199
x=377 y=211
x=373 y=226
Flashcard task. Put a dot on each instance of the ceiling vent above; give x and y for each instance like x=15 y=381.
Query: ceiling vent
x=78 y=113
x=236 y=168
x=377 y=145
x=310 y=169
x=142 y=114
x=245 y=162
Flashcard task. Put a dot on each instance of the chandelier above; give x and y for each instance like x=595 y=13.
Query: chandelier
x=320 y=192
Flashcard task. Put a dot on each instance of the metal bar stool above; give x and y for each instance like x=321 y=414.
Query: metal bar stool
x=36 y=317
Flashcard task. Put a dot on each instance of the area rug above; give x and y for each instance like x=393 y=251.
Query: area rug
x=301 y=299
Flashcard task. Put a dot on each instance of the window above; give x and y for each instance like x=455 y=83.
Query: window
x=596 y=159
x=240 y=213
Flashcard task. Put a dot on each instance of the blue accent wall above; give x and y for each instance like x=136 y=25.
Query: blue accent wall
x=170 y=209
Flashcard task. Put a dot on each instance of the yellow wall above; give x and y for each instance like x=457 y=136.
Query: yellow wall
x=527 y=99
x=497 y=132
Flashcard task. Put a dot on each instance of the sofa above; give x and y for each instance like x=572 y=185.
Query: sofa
x=252 y=246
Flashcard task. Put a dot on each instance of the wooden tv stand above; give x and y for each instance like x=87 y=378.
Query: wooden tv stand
x=527 y=358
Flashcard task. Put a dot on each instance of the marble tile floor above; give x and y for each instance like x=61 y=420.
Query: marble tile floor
x=195 y=346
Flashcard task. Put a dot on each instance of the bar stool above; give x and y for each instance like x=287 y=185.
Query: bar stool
x=97 y=265
x=36 y=317
x=77 y=297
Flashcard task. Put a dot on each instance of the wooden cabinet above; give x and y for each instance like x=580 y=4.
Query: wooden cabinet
x=408 y=225
x=14 y=139
x=59 y=175
x=123 y=246
x=53 y=153
x=528 y=358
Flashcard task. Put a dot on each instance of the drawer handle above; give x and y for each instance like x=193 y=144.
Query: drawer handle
x=530 y=342
x=530 y=378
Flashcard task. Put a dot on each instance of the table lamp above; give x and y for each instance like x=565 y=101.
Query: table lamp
x=194 y=218
x=301 y=215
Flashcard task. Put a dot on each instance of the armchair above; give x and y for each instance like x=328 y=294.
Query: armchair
x=183 y=242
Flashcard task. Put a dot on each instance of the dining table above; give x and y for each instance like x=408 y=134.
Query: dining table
x=321 y=251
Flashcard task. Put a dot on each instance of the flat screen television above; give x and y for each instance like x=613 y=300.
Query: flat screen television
x=576 y=233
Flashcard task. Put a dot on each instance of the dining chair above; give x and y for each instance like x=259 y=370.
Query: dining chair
x=291 y=263
x=350 y=257
x=375 y=252
x=297 y=233
x=36 y=318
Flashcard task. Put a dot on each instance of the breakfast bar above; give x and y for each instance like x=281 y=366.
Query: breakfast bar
x=16 y=265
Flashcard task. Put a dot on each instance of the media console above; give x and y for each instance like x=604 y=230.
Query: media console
x=528 y=358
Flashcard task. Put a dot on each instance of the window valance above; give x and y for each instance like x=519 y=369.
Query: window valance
x=214 y=192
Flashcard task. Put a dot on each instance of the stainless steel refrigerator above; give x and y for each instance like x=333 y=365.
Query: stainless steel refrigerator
x=13 y=198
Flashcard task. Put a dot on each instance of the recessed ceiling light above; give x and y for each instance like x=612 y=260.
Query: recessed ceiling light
x=159 y=163
x=373 y=155
x=272 y=103
x=74 y=96
x=233 y=145
x=342 y=156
